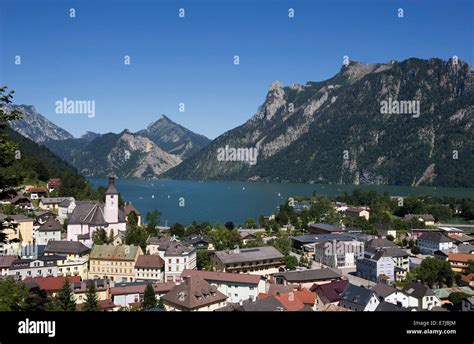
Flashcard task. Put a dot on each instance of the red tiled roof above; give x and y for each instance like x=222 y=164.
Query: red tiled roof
x=273 y=289
x=103 y=305
x=306 y=296
x=140 y=288
x=460 y=257
x=468 y=278
x=330 y=292
x=130 y=208
x=223 y=276
x=149 y=262
x=54 y=182
x=51 y=284
x=293 y=300
x=36 y=190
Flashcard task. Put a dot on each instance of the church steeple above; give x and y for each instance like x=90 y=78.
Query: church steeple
x=111 y=202
x=111 y=188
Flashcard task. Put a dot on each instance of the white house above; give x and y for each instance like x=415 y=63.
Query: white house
x=65 y=208
x=131 y=294
x=177 y=256
x=90 y=215
x=5 y=263
x=429 y=242
x=29 y=268
x=51 y=203
x=338 y=253
x=424 y=296
x=50 y=230
x=359 y=299
x=237 y=287
x=149 y=268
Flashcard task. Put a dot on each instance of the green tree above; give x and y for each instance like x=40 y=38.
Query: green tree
x=261 y=221
x=135 y=235
x=203 y=260
x=91 y=303
x=457 y=297
x=178 y=230
x=12 y=295
x=415 y=250
x=149 y=297
x=291 y=262
x=153 y=220
x=250 y=223
x=160 y=304
x=65 y=299
x=282 y=243
x=470 y=267
x=99 y=236
x=9 y=177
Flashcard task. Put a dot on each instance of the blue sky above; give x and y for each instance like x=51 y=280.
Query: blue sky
x=190 y=60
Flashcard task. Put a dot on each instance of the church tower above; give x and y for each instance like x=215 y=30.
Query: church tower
x=111 y=202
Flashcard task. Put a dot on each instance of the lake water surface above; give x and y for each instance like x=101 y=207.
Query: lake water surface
x=235 y=201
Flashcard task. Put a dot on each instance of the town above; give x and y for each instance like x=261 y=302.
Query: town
x=359 y=252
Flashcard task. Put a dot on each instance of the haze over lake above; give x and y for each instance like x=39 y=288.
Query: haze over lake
x=234 y=200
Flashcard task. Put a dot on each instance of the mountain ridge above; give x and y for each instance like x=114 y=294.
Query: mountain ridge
x=296 y=146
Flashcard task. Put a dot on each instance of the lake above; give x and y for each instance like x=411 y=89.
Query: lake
x=185 y=201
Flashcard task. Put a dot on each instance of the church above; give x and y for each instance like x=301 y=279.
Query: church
x=87 y=216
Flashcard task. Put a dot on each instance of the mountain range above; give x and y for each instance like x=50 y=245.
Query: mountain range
x=336 y=131
x=332 y=131
x=145 y=154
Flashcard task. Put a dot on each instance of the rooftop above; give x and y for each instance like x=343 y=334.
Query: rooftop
x=65 y=247
x=437 y=237
x=194 y=293
x=111 y=252
x=51 y=225
x=309 y=275
x=149 y=262
x=417 y=290
x=223 y=276
x=358 y=295
x=249 y=255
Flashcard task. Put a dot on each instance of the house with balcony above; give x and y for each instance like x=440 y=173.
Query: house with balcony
x=102 y=287
x=262 y=261
x=199 y=242
x=339 y=253
x=237 y=287
x=377 y=267
x=42 y=266
x=460 y=261
x=131 y=294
